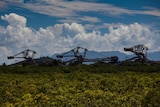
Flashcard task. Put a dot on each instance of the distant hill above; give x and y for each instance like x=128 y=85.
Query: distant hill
x=154 y=56
x=94 y=54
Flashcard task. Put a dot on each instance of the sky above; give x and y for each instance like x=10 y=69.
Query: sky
x=55 y=26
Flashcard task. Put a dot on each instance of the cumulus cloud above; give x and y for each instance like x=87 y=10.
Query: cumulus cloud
x=16 y=37
x=14 y=19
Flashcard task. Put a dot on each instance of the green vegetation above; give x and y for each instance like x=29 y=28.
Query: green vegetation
x=98 y=85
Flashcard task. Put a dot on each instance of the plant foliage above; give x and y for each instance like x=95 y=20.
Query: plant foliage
x=97 y=85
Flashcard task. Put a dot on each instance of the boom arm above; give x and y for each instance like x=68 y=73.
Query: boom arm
x=24 y=54
x=75 y=53
x=78 y=57
x=138 y=49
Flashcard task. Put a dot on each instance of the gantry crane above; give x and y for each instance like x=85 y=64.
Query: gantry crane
x=74 y=56
x=27 y=55
x=140 y=51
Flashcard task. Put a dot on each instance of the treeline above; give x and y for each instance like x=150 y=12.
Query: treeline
x=93 y=68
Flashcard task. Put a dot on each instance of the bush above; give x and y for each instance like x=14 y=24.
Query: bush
x=96 y=85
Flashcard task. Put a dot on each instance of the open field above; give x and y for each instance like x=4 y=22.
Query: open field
x=96 y=85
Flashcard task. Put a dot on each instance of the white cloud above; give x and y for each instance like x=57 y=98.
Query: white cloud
x=90 y=19
x=2 y=5
x=17 y=37
x=80 y=19
x=4 y=51
x=14 y=19
x=13 y=1
x=149 y=11
x=61 y=8
x=70 y=9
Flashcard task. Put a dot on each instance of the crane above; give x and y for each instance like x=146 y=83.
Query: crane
x=74 y=55
x=140 y=51
x=26 y=54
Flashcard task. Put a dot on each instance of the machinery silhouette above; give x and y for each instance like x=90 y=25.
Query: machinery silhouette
x=140 y=51
x=75 y=57
x=27 y=55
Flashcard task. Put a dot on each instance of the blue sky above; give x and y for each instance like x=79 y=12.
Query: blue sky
x=54 y=26
x=132 y=11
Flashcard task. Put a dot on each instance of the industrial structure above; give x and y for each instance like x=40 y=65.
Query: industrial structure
x=26 y=55
x=77 y=56
x=140 y=52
